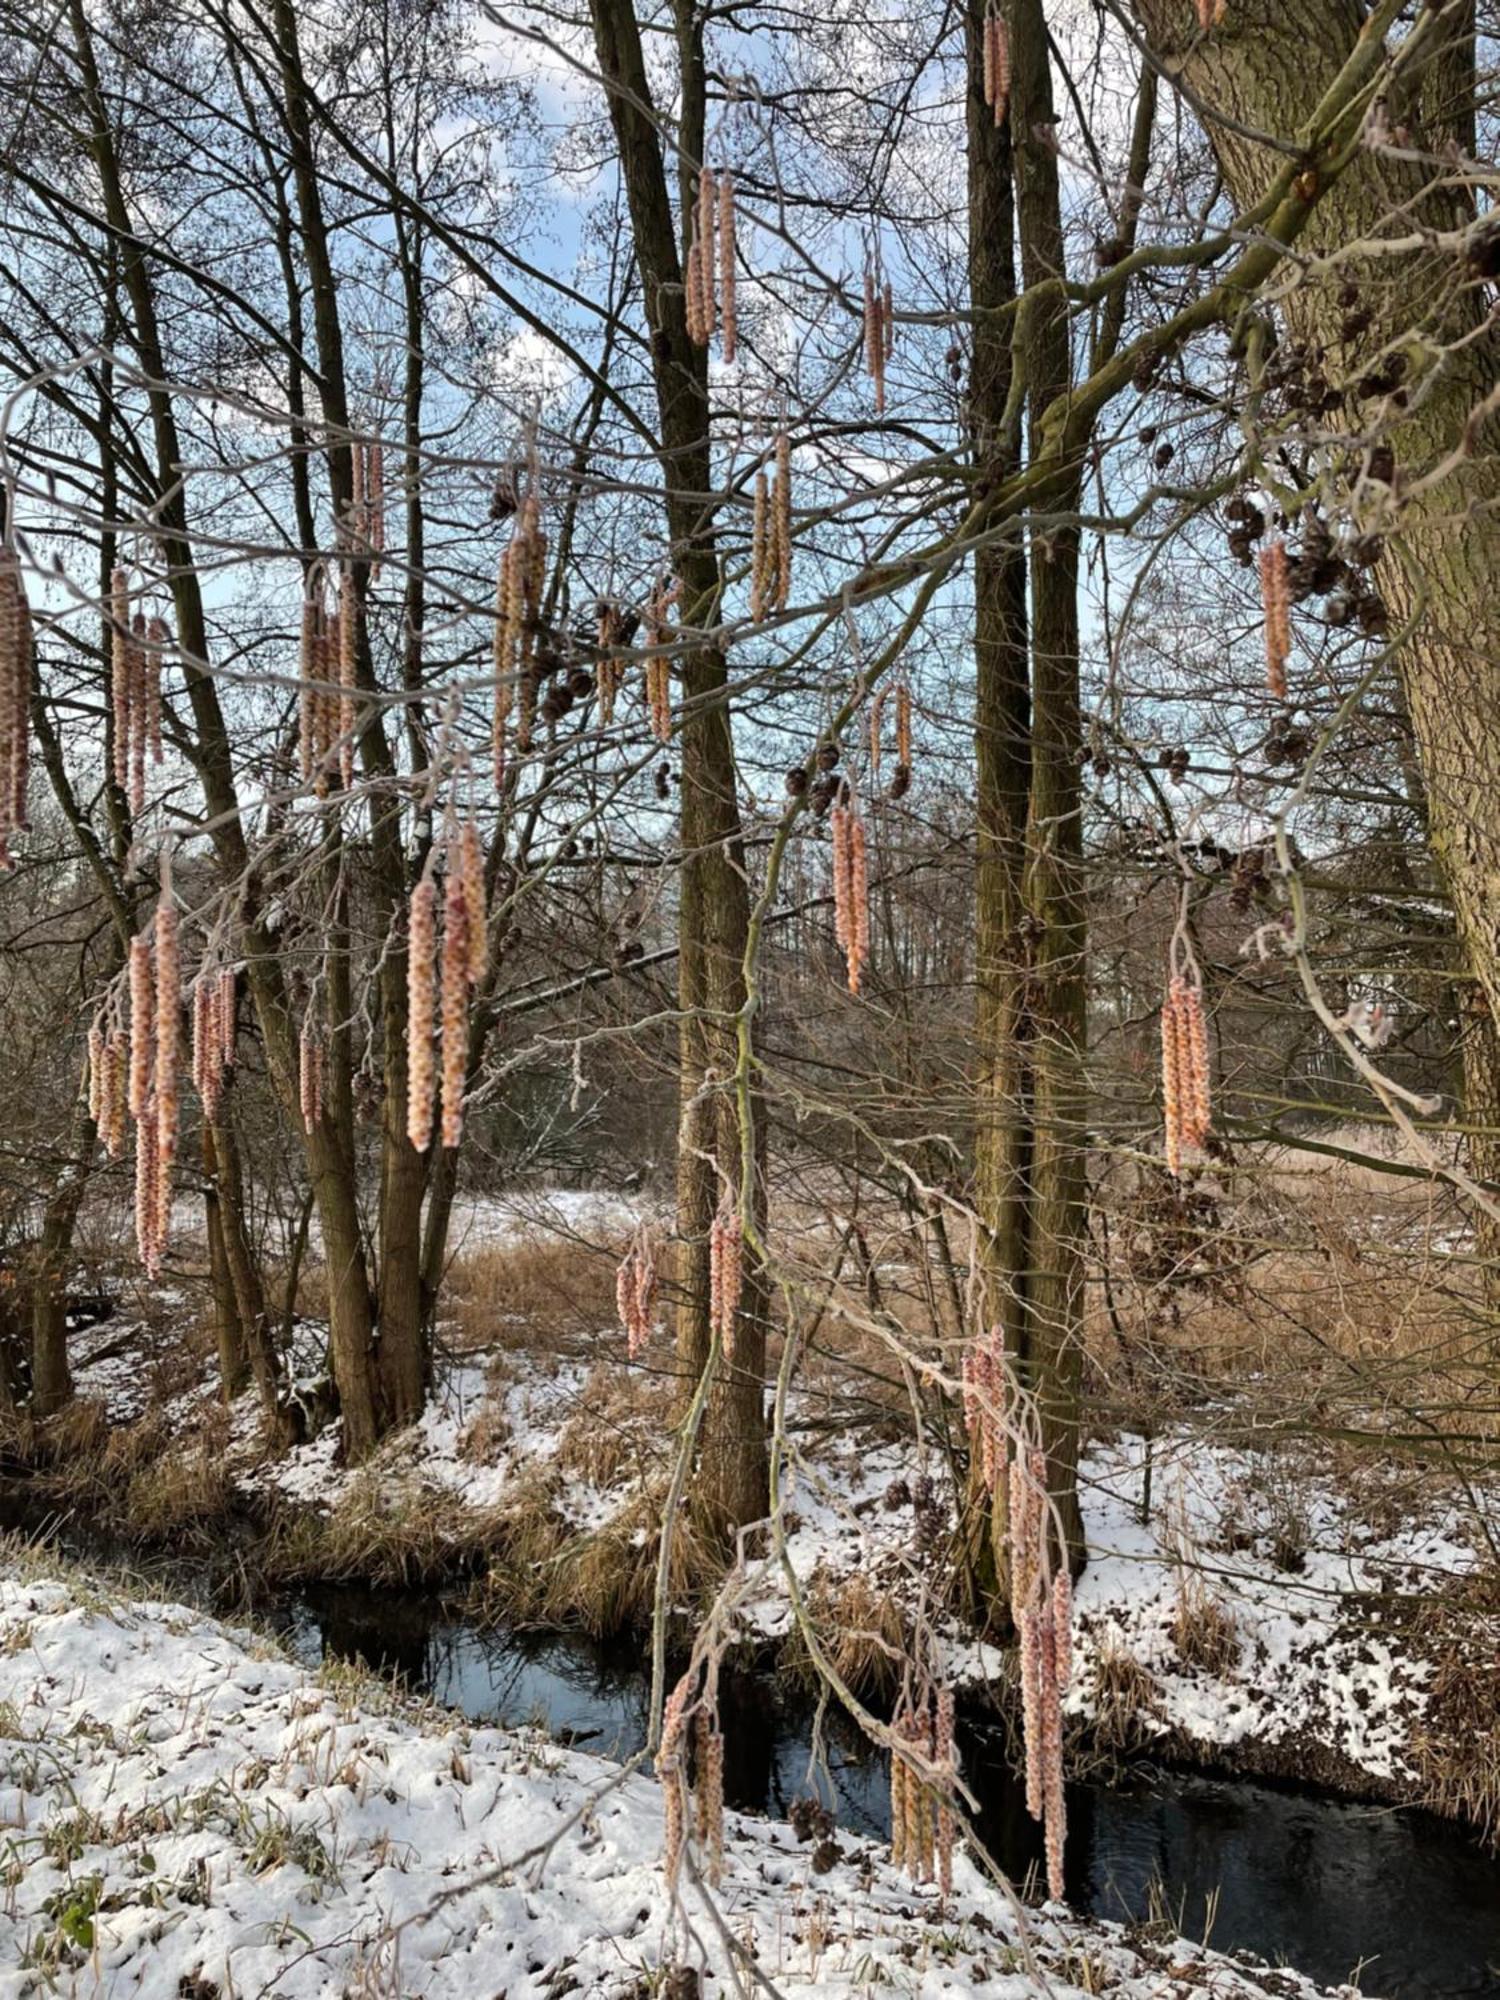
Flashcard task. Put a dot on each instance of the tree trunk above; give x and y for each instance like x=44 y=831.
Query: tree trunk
x=51 y=1377
x=1002 y=750
x=1441 y=559
x=1055 y=914
x=714 y=912
x=229 y=1335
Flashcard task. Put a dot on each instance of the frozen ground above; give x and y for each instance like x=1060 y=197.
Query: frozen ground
x=1238 y=1619
x=185 y=1813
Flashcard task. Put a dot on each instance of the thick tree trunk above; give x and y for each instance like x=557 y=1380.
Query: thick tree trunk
x=714 y=910
x=229 y=1334
x=1002 y=749
x=1055 y=914
x=1267 y=73
x=51 y=1377
x=253 y=1315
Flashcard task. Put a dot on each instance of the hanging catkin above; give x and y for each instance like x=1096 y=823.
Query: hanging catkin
x=359 y=513
x=420 y=1005
x=635 y=1290
x=945 y=1755
x=1041 y=1609
x=518 y=605
x=879 y=328
x=455 y=1002
x=781 y=523
x=1211 y=14
x=112 y=1109
x=610 y=669
x=1275 y=595
x=1187 y=1102
x=708 y=261
x=148 y=1204
x=137 y=680
x=16 y=670
x=726 y=1271
x=348 y=664
x=727 y=275
x=471 y=875
x=851 y=896
x=997 y=64
x=142 y=1024
x=168 y=1009
x=309 y=664
x=310 y=1074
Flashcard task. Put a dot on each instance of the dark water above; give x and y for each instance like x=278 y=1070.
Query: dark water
x=1404 y=1901
x=1298 y=1879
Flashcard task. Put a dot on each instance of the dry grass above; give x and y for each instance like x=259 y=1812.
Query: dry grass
x=622 y=1428
x=860 y=1628
x=545 y=1294
x=1456 y=1742
x=1124 y=1695
x=544 y=1571
x=383 y=1532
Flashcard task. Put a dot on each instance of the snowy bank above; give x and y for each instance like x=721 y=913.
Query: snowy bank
x=187 y=1813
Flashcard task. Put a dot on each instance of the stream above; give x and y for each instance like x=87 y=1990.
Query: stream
x=1406 y=1903
x=1298 y=1878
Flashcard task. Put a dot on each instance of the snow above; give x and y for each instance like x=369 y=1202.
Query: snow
x=184 y=1811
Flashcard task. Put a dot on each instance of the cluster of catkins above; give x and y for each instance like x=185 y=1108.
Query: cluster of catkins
x=635 y=1290
x=213 y=1035
x=1276 y=602
x=686 y=1706
x=726 y=1272
x=710 y=277
x=771 y=535
x=518 y=610
x=851 y=887
x=922 y=1820
x=109 y=1062
x=880 y=328
x=1041 y=1602
x=439 y=983
x=658 y=688
x=16 y=669
x=328 y=671
x=1187 y=1102
x=367 y=506
x=901 y=776
x=136 y=650
x=1211 y=13
x=996 y=54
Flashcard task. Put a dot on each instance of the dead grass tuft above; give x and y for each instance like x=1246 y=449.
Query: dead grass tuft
x=543 y=1293
x=1124 y=1695
x=1456 y=1742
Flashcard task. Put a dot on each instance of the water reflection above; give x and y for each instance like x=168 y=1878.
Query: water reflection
x=1303 y=1881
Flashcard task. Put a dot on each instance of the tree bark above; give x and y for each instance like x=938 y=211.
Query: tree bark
x=1441 y=564
x=714 y=909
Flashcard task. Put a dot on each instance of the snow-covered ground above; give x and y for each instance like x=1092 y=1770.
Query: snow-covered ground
x=1235 y=1624
x=185 y=1812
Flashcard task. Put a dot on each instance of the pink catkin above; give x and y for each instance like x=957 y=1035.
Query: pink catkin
x=455 y=1005
x=726 y=1274
x=420 y=1005
x=142 y=1024
x=168 y=1033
